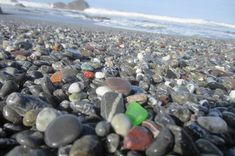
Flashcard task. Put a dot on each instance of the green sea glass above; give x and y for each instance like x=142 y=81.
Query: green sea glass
x=136 y=113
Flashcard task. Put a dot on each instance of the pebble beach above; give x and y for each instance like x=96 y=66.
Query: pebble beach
x=70 y=90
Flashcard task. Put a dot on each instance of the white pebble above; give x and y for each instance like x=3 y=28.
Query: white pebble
x=232 y=95
x=100 y=91
x=99 y=75
x=76 y=87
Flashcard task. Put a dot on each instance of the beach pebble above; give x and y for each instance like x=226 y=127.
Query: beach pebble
x=232 y=95
x=88 y=145
x=140 y=98
x=45 y=117
x=76 y=87
x=30 y=138
x=207 y=147
x=23 y=103
x=99 y=75
x=138 y=138
x=11 y=115
x=119 y=85
x=62 y=131
x=111 y=104
x=213 y=124
x=121 y=124
x=161 y=145
x=112 y=142
x=27 y=151
x=30 y=117
x=100 y=91
x=8 y=87
x=103 y=128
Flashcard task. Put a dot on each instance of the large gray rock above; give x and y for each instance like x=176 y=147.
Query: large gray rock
x=78 y=5
x=74 y=5
x=60 y=5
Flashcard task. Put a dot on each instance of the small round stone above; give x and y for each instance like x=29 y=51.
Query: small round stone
x=121 y=124
x=30 y=117
x=62 y=131
x=99 y=75
x=45 y=117
x=102 y=128
x=11 y=114
x=232 y=95
x=112 y=143
x=100 y=91
x=76 y=87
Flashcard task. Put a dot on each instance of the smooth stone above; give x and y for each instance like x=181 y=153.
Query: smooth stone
x=207 y=147
x=76 y=87
x=30 y=138
x=229 y=117
x=102 y=128
x=27 y=151
x=45 y=117
x=138 y=138
x=112 y=142
x=30 y=117
x=133 y=153
x=213 y=124
x=64 y=150
x=111 y=104
x=152 y=127
x=7 y=143
x=162 y=144
x=8 y=87
x=119 y=85
x=140 y=98
x=76 y=97
x=121 y=124
x=47 y=85
x=11 y=115
x=100 y=91
x=23 y=103
x=88 y=145
x=87 y=67
x=183 y=143
x=232 y=95
x=164 y=119
x=99 y=75
x=62 y=131
x=83 y=107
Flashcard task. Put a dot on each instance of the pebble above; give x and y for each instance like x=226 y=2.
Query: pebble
x=62 y=131
x=111 y=104
x=30 y=138
x=8 y=87
x=232 y=95
x=30 y=117
x=213 y=124
x=162 y=144
x=138 y=138
x=11 y=115
x=102 y=128
x=207 y=147
x=112 y=142
x=119 y=85
x=140 y=98
x=88 y=145
x=27 y=151
x=76 y=87
x=100 y=91
x=99 y=75
x=45 y=117
x=121 y=124
x=152 y=127
x=23 y=103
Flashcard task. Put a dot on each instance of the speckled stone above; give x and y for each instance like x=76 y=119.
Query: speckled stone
x=140 y=98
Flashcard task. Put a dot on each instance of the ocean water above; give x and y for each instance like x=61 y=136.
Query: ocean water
x=126 y=20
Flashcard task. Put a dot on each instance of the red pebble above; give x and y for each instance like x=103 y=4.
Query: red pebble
x=89 y=74
x=138 y=138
